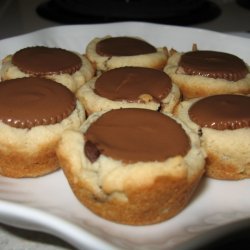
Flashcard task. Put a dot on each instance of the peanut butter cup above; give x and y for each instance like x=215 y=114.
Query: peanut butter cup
x=33 y=101
x=222 y=112
x=123 y=46
x=133 y=135
x=131 y=83
x=213 y=64
x=39 y=61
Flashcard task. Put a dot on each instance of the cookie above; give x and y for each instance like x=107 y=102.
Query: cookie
x=129 y=87
x=132 y=166
x=34 y=112
x=66 y=67
x=113 y=52
x=223 y=123
x=203 y=72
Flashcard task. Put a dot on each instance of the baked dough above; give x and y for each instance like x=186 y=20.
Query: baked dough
x=155 y=60
x=193 y=86
x=31 y=152
x=137 y=193
x=29 y=134
x=227 y=150
x=93 y=102
x=71 y=81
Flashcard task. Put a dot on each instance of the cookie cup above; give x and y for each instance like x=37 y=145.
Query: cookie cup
x=227 y=150
x=95 y=103
x=136 y=194
x=156 y=60
x=71 y=81
x=31 y=152
x=193 y=86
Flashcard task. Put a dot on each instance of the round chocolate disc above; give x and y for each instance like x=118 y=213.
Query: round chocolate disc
x=132 y=135
x=221 y=112
x=213 y=64
x=40 y=61
x=32 y=101
x=123 y=46
x=130 y=83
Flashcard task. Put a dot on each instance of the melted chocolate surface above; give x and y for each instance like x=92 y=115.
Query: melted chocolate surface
x=213 y=64
x=222 y=112
x=32 y=101
x=123 y=46
x=39 y=61
x=129 y=83
x=132 y=135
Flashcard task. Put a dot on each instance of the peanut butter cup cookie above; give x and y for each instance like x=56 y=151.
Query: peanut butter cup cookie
x=129 y=87
x=34 y=112
x=68 y=68
x=113 y=52
x=223 y=122
x=203 y=73
x=132 y=166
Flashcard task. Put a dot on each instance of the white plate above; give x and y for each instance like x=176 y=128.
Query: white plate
x=47 y=203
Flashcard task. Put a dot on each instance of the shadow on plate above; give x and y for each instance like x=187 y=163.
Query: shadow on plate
x=233 y=236
x=42 y=240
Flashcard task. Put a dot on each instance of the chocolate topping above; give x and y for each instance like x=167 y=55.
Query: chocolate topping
x=91 y=151
x=123 y=46
x=129 y=83
x=213 y=64
x=222 y=112
x=32 y=101
x=39 y=61
x=132 y=135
